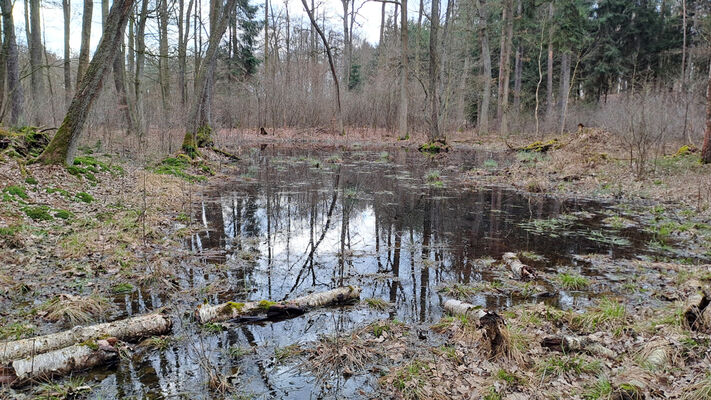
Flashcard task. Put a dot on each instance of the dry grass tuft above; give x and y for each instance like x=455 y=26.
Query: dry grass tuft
x=73 y=310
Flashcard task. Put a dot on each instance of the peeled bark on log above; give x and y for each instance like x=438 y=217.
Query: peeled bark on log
x=697 y=316
x=59 y=362
x=125 y=329
x=519 y=269
x=232 y=310
x=495 y=331
x=573 y=343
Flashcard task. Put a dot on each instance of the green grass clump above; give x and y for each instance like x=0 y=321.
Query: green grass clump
x=490 y=164
x=15 y=190
x=16 y=331
x=557 y=365
x=377 y=303
x=31 y=180
x=432 y=175
x=573 y=281
x=122 y=288
x=607 y=314
x=460 y=291
x=38 y=213
x=85 y=197
x=601 y=389
x=62 y=214
x=410 y=379
x=10 y=230
x=63 y=192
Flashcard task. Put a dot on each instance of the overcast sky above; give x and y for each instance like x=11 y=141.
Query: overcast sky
x=368 y=21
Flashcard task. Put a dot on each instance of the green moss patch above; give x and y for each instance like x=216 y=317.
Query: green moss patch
x=177 y=166
x=38 y=213
x=85 y=197
x=16 y=191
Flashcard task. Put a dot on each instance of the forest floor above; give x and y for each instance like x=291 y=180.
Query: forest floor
x=71 y=239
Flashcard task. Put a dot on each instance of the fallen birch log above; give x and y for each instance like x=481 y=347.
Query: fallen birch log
x=577 y=344
x=697 y=313
x=59 y=362
x=124 y=329
x=496 y=333
x=232 y=310
x=519 y=269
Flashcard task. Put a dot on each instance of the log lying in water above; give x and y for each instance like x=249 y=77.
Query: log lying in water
x=495 y=330
x=233 y=310
x=59 y=362
x=125 y=329
x=519 y=269
x=573 y=343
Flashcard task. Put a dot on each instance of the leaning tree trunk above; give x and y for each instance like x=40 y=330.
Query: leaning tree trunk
x=85 y=41
x=198 y=134
x=64 y=143
x=706 y=149
x=13 y=71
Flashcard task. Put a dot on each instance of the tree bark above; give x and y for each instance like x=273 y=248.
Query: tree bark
x=573 y=344
x=124 y=329
x=564 y=87
x=502 y=108
x=434 y=73
x=231 y=310
x=85 y=40
x=483 y=120
x=518 y=66
x=404 y=96
x=59 y=362
x=549 y=73
x=36 y=51
x=183 y=37
x=67 y=10
x=139 y=112
x=163 y=71
x=15 y=92
x=64 y=143
x=706 y=149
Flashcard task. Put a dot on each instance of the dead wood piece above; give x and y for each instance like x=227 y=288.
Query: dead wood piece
x=695 y=316
x=495 y=330
x=224 y=153
x=519 y=269
x=58 y=362
x=572 y=343
x=125 y=329
x=234 y=310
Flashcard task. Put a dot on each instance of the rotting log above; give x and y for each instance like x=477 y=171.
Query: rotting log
x=125 y=329
x=567 y=343
x=495 y=330
x=233 y=310
x=58 y=362
x=697 y=311
x=519 y=269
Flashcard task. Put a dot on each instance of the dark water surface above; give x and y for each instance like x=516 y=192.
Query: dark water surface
x=298 y=221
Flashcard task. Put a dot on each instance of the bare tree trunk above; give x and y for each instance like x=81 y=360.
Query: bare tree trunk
x=518 y=66
x=85 y=40
x=119 y=68
x=164 y=77
x=404 y=96
x=67 y=10
x=64 y=143
x=382 y=25
x=140 y=47
x=14 y=88
x=3 y=72
x=341 y=128
x=183 y=33
x=564 y=86
x=706 y=149
x=36 y=51
x=549 y=76
x=483 y=122
x=346 y=44
x=433 y=72
x=505 y=68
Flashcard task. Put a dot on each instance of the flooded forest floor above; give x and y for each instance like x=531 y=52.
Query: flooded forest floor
x=615 y=307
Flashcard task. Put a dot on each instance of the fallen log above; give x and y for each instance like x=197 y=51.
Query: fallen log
x=125 y=329
x=496 y=334
x=519 y=269
x=232 y=310
x=697 y=313
x=59 y=362
x=577 y=344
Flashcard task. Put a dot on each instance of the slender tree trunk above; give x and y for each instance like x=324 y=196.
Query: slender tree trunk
x=505 y=68
x=706 y=149
x=67 y=10
x=140 y=47
x=483 y=120
x=346 y=44
x=683 y=47
x=64 y=143
x=163 y=72
x=85 y=40
x=382 y=25
x=119 y=68
x=404 y=96
x=518 y=66
x=341 y=128
x=36 y=51
x=15 y=93
x=433 y=72
x=183 y=32
x=3 y=72
x=549 y=76
x=564 y=86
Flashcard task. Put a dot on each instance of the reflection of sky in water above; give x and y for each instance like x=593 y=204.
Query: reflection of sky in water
x=295 y=229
